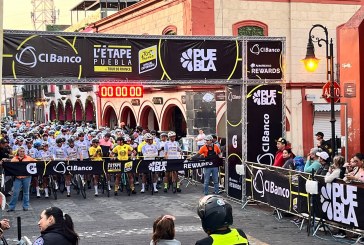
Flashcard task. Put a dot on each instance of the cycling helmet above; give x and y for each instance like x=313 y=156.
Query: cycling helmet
x=214 y=213
x=81 y=134
x=19 y=138
x=95 y=140
x=63 y=140
x=208 y=137
x=148 y=136
x=59 y=140
x=37 y=144
x=51 y=132
x=120 y=139
x=127 y=138
x=163 y=134
x=28 y=140
x=153 y=132
x=44 y=143
x=70 y=141
x=171 y=134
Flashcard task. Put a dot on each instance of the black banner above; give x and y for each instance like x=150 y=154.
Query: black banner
x=264 y=59
x=100 y=167
x=285 y=189
x=234 y=139
x=78 y=57
x=264 y=103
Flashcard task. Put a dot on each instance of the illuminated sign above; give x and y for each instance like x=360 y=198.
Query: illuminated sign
x=121 y=91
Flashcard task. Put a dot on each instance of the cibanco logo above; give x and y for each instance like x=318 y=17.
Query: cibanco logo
x=257 y=50
x=28 y=51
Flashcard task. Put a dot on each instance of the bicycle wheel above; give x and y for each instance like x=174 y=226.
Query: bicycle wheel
x=81 y=186
x=52 y=187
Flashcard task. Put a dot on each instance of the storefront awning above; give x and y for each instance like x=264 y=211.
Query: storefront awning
x=325 y=107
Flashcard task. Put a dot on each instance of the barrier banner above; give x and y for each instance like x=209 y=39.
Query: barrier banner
x=280 y=188
x=100 y=167
x=264 y=103
x=341 y=202
x=66 y=55
x=234 y=140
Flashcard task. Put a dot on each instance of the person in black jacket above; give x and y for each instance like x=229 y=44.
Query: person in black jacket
x=56 y=228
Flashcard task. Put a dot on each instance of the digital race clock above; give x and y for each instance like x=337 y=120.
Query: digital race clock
x=121 y=91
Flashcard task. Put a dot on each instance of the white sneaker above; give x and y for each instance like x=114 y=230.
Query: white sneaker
x=155 y=190
x=56 y=185
x=142 y=190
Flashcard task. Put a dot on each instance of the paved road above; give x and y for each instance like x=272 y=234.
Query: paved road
x=128 y=220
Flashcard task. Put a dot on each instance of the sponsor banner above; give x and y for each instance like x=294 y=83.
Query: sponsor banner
x=79 y=57
x=264 y=105
x=98 y=167
x=234 y=139
x=264 y=59
x=53 y=168
x=341 y=202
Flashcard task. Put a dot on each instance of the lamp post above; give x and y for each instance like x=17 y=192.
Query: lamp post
x=311 y=63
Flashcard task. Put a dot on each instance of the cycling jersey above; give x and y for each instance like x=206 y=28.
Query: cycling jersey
x=31 y=152
x=150 y=152
x=83 y=147
x=122 y=151
x=161 y=148
x=95 y=153
x=172 y=149
x=58 y=153
x=71 y=152
x=45 y=155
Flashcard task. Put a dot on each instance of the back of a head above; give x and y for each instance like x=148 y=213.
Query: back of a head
x=215 y=213
x=163 y=228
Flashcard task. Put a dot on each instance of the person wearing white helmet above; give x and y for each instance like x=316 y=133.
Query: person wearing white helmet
x=172 y=150
x=18 y=143
x=150 y=152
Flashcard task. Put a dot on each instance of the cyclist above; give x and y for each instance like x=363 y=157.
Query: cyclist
x=122 y=151
x=95 y=153
x=19 y=140
x=51 y=139
x=46 y=155
x=72 y=153
x=29 y=149
x=150 y=152
x=58 y=150
x=172 y=150
x=83 y=146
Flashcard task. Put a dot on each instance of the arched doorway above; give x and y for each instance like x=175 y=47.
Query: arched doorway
x=68 y=111
x=174 y=120
x=128 y=117
x=60 y=111
x=52 y=111
x=148 y=119
x=110 y=119
x=90 y=111
x=78 y=112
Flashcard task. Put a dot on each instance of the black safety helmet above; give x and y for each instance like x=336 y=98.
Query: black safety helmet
x=214 y=213
x=59 y=140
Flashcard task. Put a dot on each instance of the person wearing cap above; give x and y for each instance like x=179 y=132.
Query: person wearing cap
x=312 y=162
x=324 y=160
x=124 y=128
x=216 y=218
x=278 y=159
x=323 y=144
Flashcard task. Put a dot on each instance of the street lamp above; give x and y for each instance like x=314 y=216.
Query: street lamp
x=311 y=64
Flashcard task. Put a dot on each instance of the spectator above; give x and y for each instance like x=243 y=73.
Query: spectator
x=216 y=217
x=288 y=159
x=56 y=228
x=312 y=162
x=164 y=232
x=20 y=182
x=324 y=161
x=336 y=170
x=357 y=174
x=200 y=139
x=299 y=163
x=281 y=145
x=323 y=144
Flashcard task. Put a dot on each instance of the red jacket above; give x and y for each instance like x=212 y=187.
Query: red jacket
x=278 y=160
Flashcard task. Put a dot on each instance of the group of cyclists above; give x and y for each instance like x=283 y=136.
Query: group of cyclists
x=84 y=142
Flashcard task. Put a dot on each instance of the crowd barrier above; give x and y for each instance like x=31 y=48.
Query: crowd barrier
x=104 y=167
x=337 y=202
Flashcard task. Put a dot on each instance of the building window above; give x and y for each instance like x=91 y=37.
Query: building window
x=170 y=30
x=250 y=28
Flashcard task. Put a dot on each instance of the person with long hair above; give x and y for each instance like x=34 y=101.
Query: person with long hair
x=163 y=231
x=56 y=228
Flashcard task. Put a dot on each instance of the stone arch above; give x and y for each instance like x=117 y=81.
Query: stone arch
x=78 y=112
x=174 y=117
x=170 y=30
x=60 y=111
x=68 y=111
x=127 y=115
x=52 y=111
x=90 y=115
x=148 y=116
x=253 y=23
x=109 y=117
